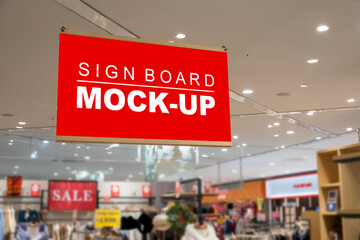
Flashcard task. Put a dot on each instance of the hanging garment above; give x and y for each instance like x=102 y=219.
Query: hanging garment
x=192 y=233
x=22 y=233
x=2 y=224
x=14 y=185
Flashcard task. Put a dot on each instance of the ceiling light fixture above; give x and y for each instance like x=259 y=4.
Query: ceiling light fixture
x=247 y=91
x=272 y=164
x=87 y=157
x=276 y=148
x=161 y=175
x=68 y=167
x=276 y=135
x=276 y=124
x=109 y=153
x=304 y=85
x=322 y=28
x=244 y=144
x=310 y=113
x=78 y=147
x=10 y=143
x=45 y=141
x=351 y=100
x=180 y=36
x=141 y=173
x=56 y=174
x=349 y=129
x=313 y=60
x=88 y=148
x=290 y=132
x=111 y=168
x=63 y=144
x=76 y=154
x=22 y=123
x=235 y=137
x=318 y=138
x=204 y=155
x=270 y=126
x=15 y=172
x=283 y=146
x=69 y=178
x=19 y=127
x=234 y=171
x=224 y=150
x=16 y=167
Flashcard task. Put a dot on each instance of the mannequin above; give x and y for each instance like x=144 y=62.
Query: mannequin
x=33 y=229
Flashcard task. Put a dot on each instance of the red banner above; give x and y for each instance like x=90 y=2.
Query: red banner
x=115 y=191
x=146 y=191
x=177 y=186
x=72 y=195
x=195 y=188
x=35 y=190
x=207 y=188
x=132 y=91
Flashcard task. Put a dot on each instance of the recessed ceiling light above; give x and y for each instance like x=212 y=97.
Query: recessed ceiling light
x=10 y=143
x=276 y=135
x=244 y=144
x=87 y=157
x=161 y=175
x=276 y=124
x=270 y=126
x=238 y=146
x=322 y=28
x=76 y=154
x=63 y=144
x=310 y=113
x=304 y=85
x=111 y=168
x=16 y=167
x=19 y=127
x=180 y=36
x=22 y=123
x=204 y=155
x=224 y=149
x=234 y=171
x=69 y=178
x=45 y=141
x=212 y=154
x=283 y=146
x=283 y=94
x=290 y=132
x=68 y=167
x=318 y=138
x=235 y=137
x=88 y=147
x=276 y=148
x=141 y=173
x=287 y=171
x=351 y=100
x=130 y=176
x=56 y=174
x=313 y=60
x=272 y=164
x=349 y=129
x=247 y=91
x=78 y=147
x=33 y=155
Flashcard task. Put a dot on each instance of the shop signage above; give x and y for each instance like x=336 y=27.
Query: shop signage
x=195 y=188
x=107 y=218
x=115 y=191
x=207 y=188
x=292 y=187
x=146 y=191
x=35 y=190
x=128 y=90
x=177 y=186
x=72 y=195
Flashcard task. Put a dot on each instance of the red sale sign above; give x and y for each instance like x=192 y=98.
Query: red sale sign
x=128 y=90
x=177 y=186
x=146 y=191
x=115 y=191
x=35 y=190
x=72 y=195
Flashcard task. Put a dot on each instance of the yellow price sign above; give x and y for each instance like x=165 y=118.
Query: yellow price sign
x=107 y=218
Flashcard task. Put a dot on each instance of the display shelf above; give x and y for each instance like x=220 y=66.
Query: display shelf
x=186 y=195
x=346 y=158
x=349 y=212
x=329 y=213
x=331 y=185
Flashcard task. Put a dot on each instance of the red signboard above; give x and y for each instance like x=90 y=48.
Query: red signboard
x=207 y=188
x=72 y=195
x=115 y=191
x=35 y=190
x=177 y=186
x=129 y=90
x=146 y=191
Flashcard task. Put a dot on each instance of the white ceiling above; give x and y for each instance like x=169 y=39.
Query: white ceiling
x=268 y=41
